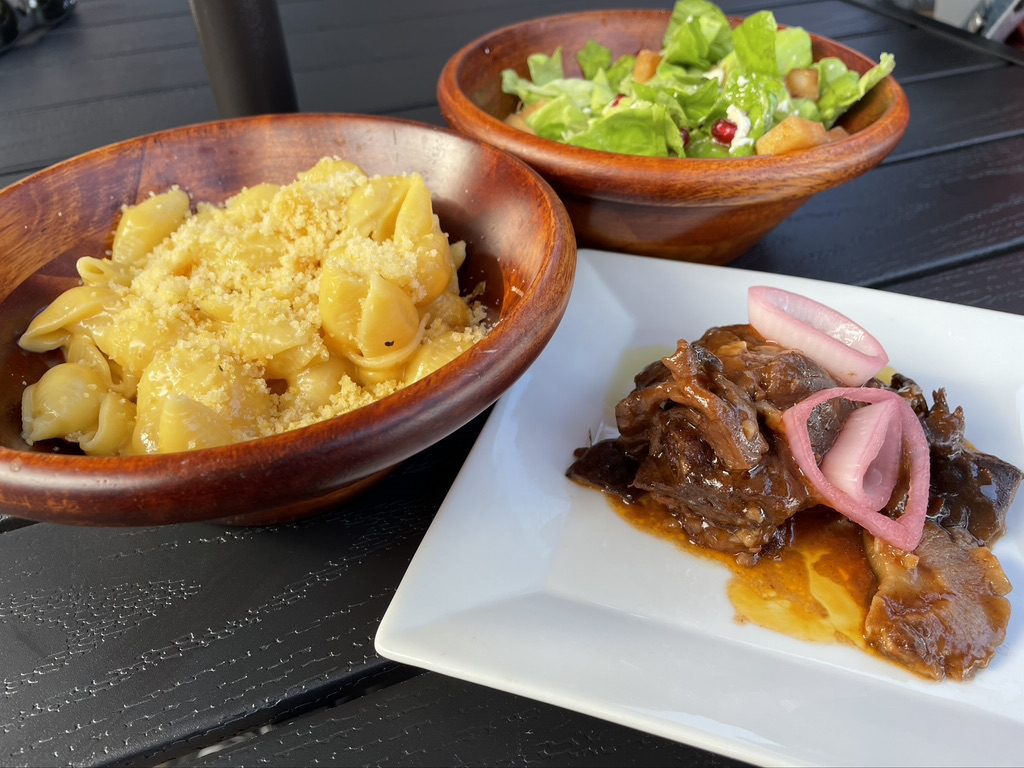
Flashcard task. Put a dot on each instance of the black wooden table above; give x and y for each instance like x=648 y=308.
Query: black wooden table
x=207 y=646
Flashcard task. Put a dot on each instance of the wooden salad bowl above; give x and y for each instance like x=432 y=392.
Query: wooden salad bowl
x=519 y=242
x=704 y=210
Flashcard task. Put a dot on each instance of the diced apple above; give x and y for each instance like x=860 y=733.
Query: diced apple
x=837 y=133
x=646 y=65
x=791 y=134
x=518 y=119
x=515 y=120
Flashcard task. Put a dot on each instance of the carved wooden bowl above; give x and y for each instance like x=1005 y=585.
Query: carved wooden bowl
x=704 y=210
x=519 y=240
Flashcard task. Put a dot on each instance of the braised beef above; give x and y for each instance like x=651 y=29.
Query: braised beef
x=941 y=611
x=703 y=430
x=970 y=490
x=606 y=467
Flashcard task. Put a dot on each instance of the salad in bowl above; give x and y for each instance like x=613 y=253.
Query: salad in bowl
x=713 y=90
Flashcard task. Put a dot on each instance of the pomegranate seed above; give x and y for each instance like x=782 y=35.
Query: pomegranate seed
x=685 y=134
x=618 y=99
x=724 y=131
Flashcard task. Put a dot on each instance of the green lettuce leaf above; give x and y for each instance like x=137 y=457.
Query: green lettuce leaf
x=585 y=94
x=754 y=43
x=696 y=94
x=639 y=129
x=762 y=47
x=520 y=87
x=698 y=34
x=792 y=50
x=706 y=147
x=620 y=70
x=840 y=88
x=544 y=69
x=558 y=119
x=805 y=108
x=652 y=94
x=593 y=58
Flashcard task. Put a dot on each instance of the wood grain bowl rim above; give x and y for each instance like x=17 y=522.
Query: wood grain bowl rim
x=147 y=489
x=674 y=182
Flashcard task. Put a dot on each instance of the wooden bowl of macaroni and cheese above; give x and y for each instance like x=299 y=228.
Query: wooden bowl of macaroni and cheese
x=247 y=320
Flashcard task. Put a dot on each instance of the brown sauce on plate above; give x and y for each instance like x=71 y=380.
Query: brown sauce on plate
x=818 y=588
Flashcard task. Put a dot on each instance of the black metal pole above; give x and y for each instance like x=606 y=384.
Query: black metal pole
x=245 y=55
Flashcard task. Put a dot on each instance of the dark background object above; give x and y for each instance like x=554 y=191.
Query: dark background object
x=245 y=55
x=993 y=19
x=18 y=18
x=52 y=11
x=8 y=25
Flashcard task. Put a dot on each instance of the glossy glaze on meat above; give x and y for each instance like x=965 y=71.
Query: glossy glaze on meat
x=969 y=489
x=941 y=611
x=702 y=434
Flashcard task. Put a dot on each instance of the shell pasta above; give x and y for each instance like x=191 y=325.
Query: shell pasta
x=285 y=306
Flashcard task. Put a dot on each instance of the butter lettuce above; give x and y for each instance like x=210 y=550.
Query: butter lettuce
x=707 y=147
x=647 y=93
x=754 y=43
x=764 y=48
x=558 y=119
x=792 y=50
x=582 y=93
x=708 y=72
x=689 y=98
x=841 y=89
x=639 y=129
x=621 y=70
x=545 y=69
x=758 y=96
x=592 y=58
x=698 y=34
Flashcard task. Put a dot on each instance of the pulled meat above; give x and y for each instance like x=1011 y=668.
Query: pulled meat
x=701 y=433
x=941 y=611
x=969 y=489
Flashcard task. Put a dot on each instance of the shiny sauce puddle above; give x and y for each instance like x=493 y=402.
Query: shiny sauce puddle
x=818 y=588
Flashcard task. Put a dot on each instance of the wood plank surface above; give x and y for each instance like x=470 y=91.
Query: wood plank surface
x=904 y=218
x=71 y=129
x=833 y=18
x=992 y=283
x=123 y=645
x=956 y=112
x=435 y=720
x=80 y=40
x=920 y=55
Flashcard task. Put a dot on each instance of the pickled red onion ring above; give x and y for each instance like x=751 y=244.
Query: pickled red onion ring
x=864 y=461
x=836 y=343
x=903 y=533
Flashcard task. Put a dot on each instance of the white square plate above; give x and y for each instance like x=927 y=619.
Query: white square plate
x=532 y=584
